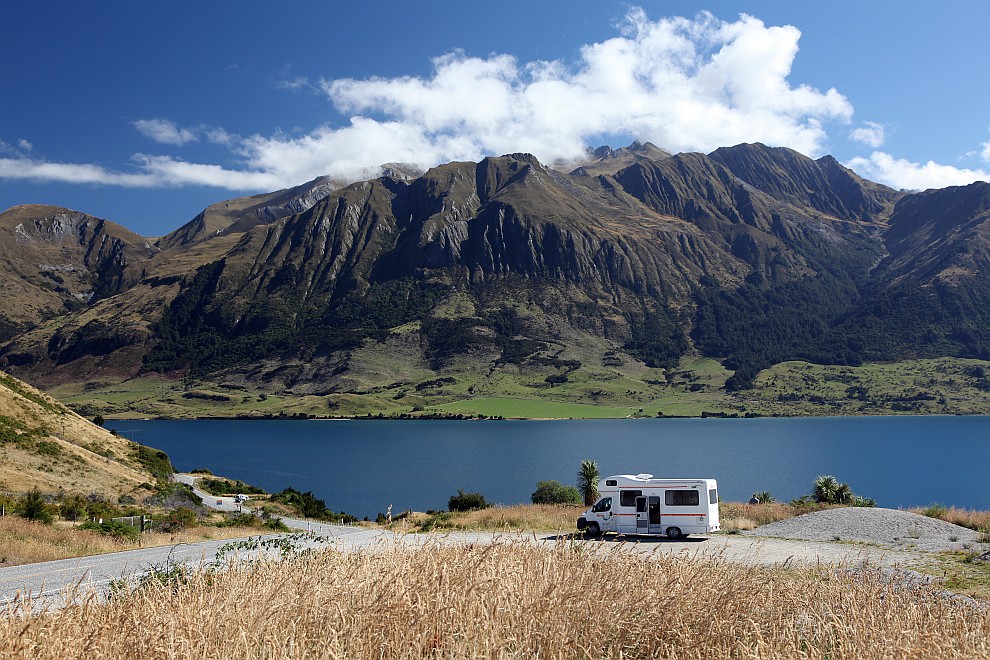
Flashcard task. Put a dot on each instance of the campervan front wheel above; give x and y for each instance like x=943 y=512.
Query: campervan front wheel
x=592 y=530
x=674 y=532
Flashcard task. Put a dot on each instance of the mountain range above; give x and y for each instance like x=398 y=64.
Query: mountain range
x=469 y=274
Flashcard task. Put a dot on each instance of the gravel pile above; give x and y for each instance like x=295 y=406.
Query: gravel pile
x=889 y=527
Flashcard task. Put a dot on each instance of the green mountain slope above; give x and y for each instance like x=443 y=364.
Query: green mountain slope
x=505 y=274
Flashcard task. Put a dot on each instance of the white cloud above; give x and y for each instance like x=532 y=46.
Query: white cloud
x=153 y=171
x=903 y=174
x=19 y=150
x=684 y=84
x=985 y=154
x=870 y=133
x=297 y=84
x=221 y=137
x=165 y=131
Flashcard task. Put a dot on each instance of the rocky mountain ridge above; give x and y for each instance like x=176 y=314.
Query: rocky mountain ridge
x=751 y=255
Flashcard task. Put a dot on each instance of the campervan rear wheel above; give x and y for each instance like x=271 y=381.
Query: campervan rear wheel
x=674 y=532
x=592 y=530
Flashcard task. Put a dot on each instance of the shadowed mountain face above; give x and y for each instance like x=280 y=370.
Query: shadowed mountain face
x=751 y=254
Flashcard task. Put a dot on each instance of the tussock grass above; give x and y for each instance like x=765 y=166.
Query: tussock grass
x=978 y=520
x=739 y=516
x=538 y=517
x=26 y=542
x=506 y=601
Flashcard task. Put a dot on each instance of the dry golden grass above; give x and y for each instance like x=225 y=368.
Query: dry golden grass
x=89 y=458
x=979 y=520
x=26 y=542
x=537 y=517
x=739 y=516
x=507 y=601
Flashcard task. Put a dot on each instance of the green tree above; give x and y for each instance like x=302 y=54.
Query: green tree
x=34 y=507
x=467 y=501
x=73 y=507
x=764 y=497
x=588 y=477
x=554 y=492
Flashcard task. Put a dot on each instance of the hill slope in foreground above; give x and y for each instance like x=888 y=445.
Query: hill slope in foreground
x=47 y=446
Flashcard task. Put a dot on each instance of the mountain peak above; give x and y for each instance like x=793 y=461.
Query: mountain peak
x=606 y=160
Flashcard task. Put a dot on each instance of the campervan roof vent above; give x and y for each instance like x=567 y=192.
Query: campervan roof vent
x=644 y=476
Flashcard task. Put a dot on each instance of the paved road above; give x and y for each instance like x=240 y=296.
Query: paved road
x=46 y=582
x=214 y=502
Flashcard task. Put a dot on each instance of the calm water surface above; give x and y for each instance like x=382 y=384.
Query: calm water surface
x=362 y=467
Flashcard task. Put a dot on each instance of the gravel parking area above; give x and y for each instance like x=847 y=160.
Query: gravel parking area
x=889 y=528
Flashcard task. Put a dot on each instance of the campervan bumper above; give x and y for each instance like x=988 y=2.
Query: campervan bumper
x=582 y=523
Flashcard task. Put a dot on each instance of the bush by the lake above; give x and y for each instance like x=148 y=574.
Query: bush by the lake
x=554 y=492
x=467 y=501
x=829 y=490
x=764 y=497
x=310 y=506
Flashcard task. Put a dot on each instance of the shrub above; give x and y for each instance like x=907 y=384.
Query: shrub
x=764 y=497
x=467 y=501
x=240 y=520
x=154 y=461
x=178 y=519
x=218 y=486
x=554 y=492
x=828 y=490
x=33 y=507
x=309 y=506
x=936 y=510
x=114 y=528
x=72 y=507
x=97 y=506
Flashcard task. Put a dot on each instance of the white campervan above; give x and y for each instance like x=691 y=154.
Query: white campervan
x=639 y=504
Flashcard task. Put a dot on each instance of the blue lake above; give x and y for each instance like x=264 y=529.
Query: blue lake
x=362 y=467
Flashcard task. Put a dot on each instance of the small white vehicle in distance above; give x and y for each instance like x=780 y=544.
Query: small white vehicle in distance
x=644 y=506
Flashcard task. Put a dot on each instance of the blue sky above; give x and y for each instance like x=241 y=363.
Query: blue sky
x=146 y=113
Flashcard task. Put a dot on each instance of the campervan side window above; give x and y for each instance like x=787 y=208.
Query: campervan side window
x=681 y=498
x=604 y=504
x=712 y=496
x=628 y=497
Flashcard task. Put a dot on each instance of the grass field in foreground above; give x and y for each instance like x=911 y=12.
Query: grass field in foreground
x=507 y=600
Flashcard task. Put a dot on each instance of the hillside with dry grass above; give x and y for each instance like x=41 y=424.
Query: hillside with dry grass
x=47 y=446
